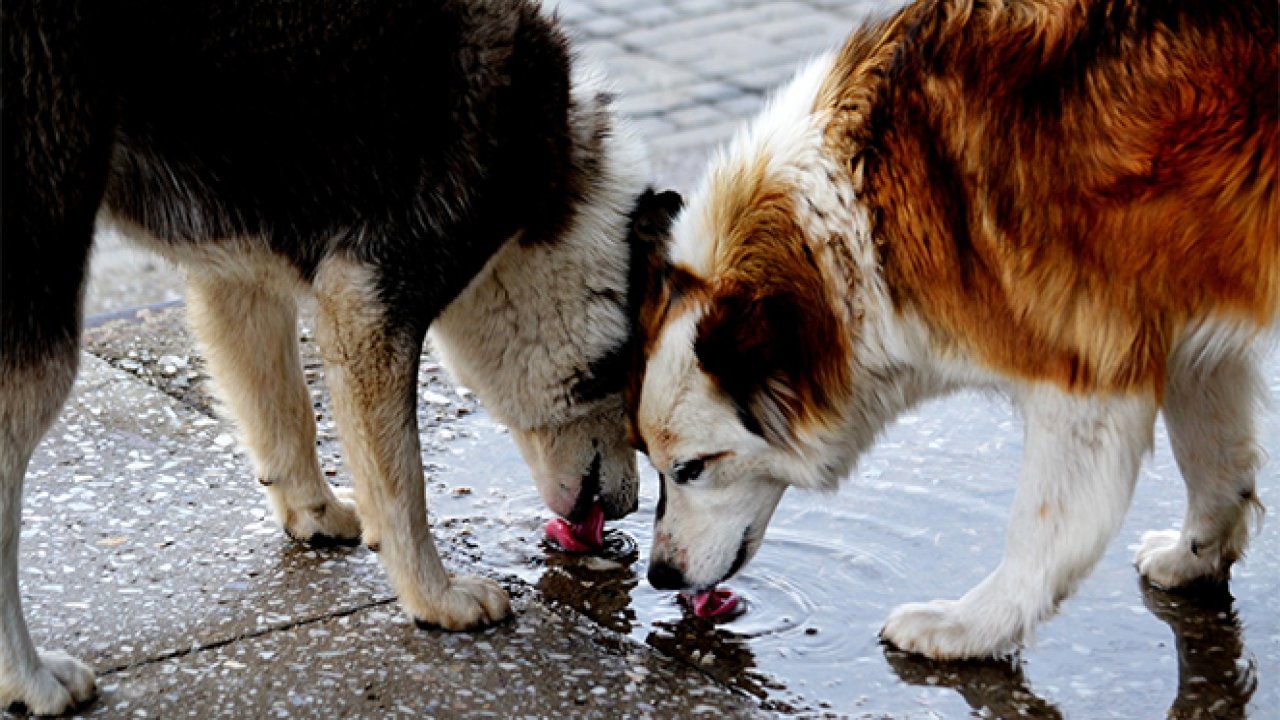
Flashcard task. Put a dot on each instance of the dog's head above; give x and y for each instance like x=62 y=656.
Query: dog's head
x=732 y=395
x=589 y=458
x=544 y=337
x=746 y=372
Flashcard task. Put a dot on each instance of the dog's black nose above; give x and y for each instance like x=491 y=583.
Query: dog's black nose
x=666 y=577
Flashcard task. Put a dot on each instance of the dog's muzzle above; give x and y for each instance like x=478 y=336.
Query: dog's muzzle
x=588 y=493
x=665 y=576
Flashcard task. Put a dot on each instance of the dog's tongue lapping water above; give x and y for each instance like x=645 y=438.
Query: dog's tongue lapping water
x=585 y=536
x=716 y=602
x=588 y=536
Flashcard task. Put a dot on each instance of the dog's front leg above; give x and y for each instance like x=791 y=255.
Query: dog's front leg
x=371 y=368
x=1210 y=410
x=1081 y=461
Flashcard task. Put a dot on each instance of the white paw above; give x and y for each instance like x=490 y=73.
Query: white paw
x=369 y=534
x=1165 y=560
x=330 y=521
x=470 y=602
x=950 y=630
x=345 y=521
x=57 y=685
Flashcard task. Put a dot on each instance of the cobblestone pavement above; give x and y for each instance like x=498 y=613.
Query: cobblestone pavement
x=691 y=70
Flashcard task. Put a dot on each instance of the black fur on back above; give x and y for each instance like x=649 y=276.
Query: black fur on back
x=416 y=136
x=56 y=125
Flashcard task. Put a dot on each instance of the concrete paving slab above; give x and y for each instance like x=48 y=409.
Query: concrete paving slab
x=148 y=551
x=374 y=663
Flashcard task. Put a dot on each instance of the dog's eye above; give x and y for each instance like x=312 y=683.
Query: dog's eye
x=687 y=471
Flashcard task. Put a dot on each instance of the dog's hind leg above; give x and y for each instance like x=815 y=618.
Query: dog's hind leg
x=1081 y=462
x=1210 y=409
x=371 y=364
x=45 y=682
x=56 y=142
x=248 y=329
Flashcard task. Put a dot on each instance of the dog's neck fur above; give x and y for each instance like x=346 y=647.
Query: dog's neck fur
x=529 y=325
x=891 y=367
x=895 y=361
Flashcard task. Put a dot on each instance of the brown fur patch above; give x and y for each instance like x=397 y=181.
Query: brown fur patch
x=1060 y=188
x=771 y=339
x=671 y=290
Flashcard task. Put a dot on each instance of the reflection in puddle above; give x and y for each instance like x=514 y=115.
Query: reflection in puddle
x=608 y=589
x=1216 y=678
x=721 y=653
x=600 y=585
x=994 y=688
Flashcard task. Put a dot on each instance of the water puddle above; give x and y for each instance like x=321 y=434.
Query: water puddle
x=923 y=518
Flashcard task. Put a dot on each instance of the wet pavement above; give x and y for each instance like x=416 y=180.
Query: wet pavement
x=149 y=552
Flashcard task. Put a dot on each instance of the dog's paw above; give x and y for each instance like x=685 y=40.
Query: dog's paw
x=470 y=602
x=58 y=684
x=1165 y=560
x=948 y=630
x=329 y=522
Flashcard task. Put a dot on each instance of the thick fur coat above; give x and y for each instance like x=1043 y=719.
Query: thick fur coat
x=1071 y=201
x=387 y=159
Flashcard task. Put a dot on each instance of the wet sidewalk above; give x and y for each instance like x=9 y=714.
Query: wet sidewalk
x=149 y=552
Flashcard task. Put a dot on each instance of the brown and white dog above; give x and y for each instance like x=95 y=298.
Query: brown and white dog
x=1072 y=201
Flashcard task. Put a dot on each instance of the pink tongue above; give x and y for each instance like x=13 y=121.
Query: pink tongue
x=713 y=603
x=579 y=537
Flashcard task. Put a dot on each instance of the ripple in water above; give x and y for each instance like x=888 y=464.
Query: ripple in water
x=800 y=596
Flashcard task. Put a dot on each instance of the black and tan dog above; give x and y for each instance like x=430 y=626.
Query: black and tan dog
x=387 y=158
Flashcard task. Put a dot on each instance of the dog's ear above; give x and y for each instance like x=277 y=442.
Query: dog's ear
x=649 y=287
x=745 y=343
x=652 y=216
x=770 y=353
x=649 y=235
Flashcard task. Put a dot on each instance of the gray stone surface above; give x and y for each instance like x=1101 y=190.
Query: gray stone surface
x=148 y=551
